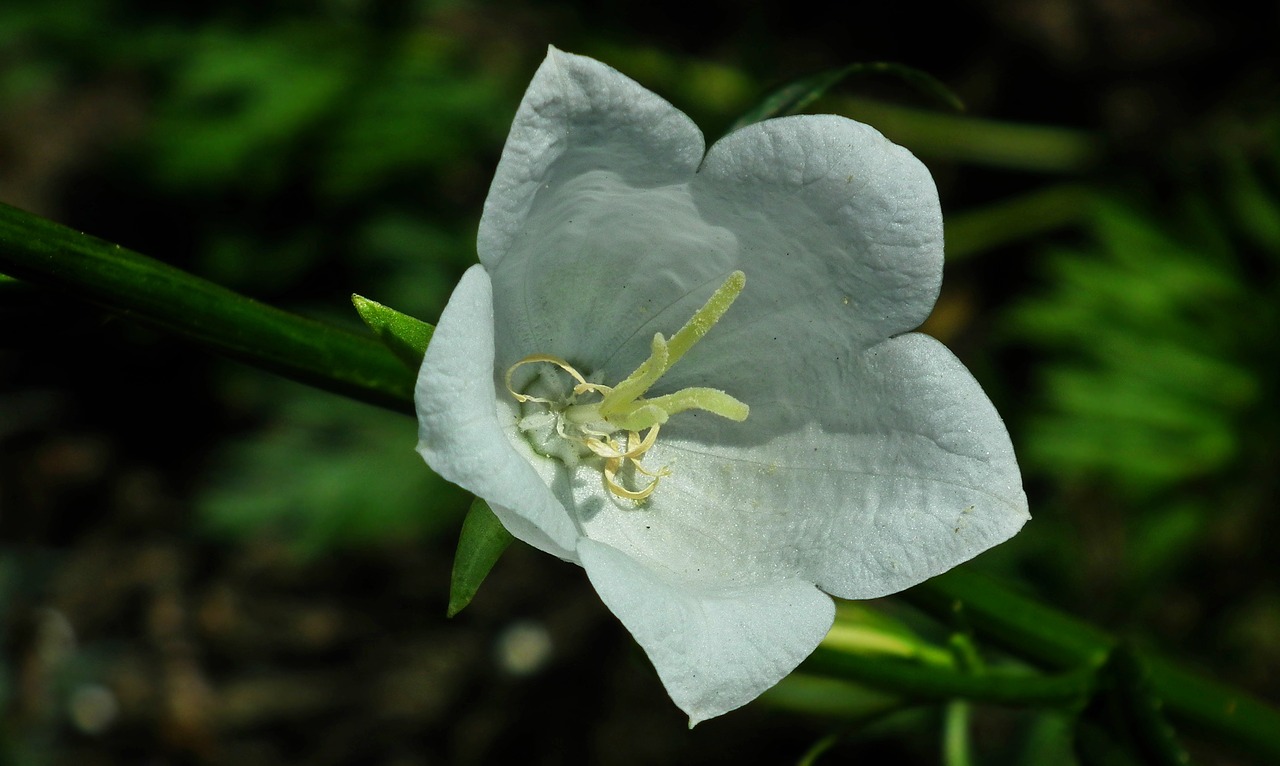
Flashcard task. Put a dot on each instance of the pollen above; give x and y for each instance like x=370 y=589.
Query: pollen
x=569 y=417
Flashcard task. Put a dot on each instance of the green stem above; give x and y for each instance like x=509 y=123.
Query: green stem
x=912 y=679
x=54 y=256
x=955 y=734
x=1041 y=634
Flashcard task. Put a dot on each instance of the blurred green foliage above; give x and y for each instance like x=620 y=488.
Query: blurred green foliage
x=299 y=153
x=300 y=149
x=1151 y=331
x=326 y=475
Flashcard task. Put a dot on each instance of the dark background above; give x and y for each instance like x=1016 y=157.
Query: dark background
x=203 y=563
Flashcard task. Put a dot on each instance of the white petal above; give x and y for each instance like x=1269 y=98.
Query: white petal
x=912 y=476
x=459 y=429
x=600 y=267
x=840 y=237
x=943 y=484
x=836 y=211
x=579 y=115
x=590 y=233
x=715 y=647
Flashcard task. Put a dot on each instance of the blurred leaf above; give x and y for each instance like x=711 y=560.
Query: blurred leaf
x=327 y=475
x=974 y=231
x=990 y=143
x=1145 y=383
x=1125 y=722
x=1167 y=539
x=480 y=545
x=1254 y=208
x=829 y=698
x=1047 y=741
x=405 y=336
x=240 y=105
x=417 y=110
x=955 y=734
x=793 y=97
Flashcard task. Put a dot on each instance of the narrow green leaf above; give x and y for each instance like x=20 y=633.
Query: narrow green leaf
x=481 y=543
x=793 y=97
x=1129 y=714
x=989 y=143
x=406 y=336
x=54 y=256
x=1034 y=631
x=1001 y=223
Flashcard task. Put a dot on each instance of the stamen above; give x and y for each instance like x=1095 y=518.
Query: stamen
x=532 y=359
x=639 y=381
x=664 y=354
x=656 y=411
x=593 y=425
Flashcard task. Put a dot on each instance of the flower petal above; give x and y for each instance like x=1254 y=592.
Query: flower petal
x=944 y=484
x=912 y=476
x=840 y=237
x=588 y=214
x=715 y=647
x=460 y=433
x=834 y=211
x=579 y=115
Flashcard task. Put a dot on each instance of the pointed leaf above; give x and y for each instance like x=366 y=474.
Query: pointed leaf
x=404 y=335
x=481 y=543
x=798 y=94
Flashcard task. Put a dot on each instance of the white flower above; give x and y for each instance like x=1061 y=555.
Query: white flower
x=807 y=445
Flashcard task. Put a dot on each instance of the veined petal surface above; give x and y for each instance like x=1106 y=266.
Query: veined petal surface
x=461 y=433
x=716 y=647
x=870 y=460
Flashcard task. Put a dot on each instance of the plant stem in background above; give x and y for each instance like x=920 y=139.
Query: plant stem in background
x=135 y=286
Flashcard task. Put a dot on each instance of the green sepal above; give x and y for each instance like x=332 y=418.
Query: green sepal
x=481 y=543
x=404 y=335
x=800 y=93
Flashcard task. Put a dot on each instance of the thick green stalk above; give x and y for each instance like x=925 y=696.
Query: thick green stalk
x=1049 y=637
x=138 y=287
x=919 y=681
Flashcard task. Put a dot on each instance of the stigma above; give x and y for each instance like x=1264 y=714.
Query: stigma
x=568 y=416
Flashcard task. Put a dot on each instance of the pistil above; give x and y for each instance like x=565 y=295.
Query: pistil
x=623 y=408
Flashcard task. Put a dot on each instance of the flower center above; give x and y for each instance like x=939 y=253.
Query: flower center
x=569 y=417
